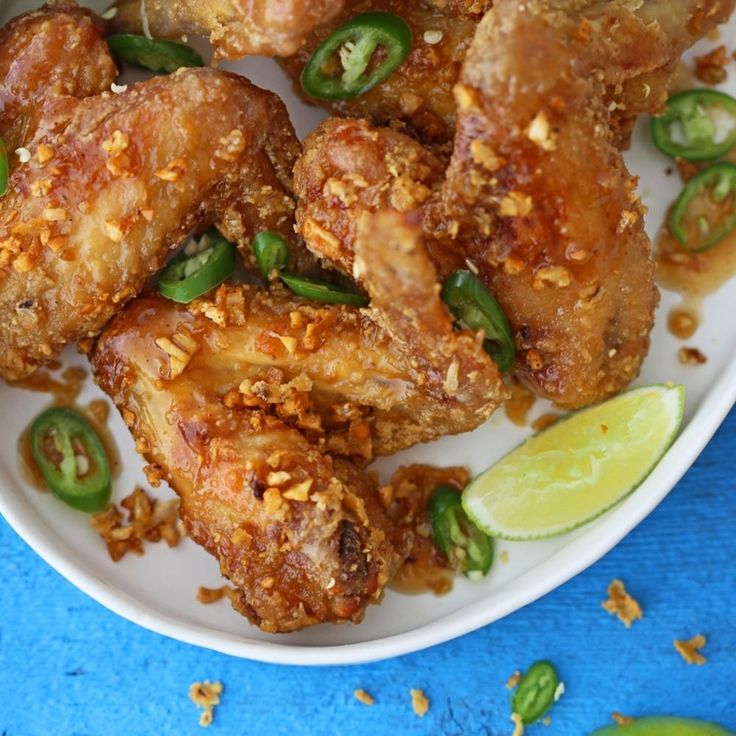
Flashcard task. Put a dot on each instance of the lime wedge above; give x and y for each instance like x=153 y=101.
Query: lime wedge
x=664 y=727
x=577 y=469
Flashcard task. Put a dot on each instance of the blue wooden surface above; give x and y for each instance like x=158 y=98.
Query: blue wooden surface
x=68 y=666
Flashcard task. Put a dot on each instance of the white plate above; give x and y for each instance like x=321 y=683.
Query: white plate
x=158 y=590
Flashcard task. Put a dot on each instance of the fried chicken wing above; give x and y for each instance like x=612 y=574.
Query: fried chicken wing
x=260 y=411
x=646 y=40
x=364 y=383
x=58 y=50
x=236 y=27
x=115 y=182
x=536 y=195
x=301 y=535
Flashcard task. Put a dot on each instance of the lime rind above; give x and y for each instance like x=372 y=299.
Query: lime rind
x=664 y=726
x=573 y=438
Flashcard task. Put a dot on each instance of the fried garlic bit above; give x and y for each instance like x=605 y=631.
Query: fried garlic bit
x=419 y=702
x=622 y=605
x=363 y=697
x=690 y=650
x=206 y=695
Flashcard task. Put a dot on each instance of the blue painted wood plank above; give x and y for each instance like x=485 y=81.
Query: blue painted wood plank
x=69 y=667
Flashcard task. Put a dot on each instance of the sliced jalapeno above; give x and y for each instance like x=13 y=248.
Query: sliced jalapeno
x=200 y=267
x=321 y=291
x=467 y=548
x=153 y=54
x=535 y=694
x=705 y=211
x=71 y=459
x=476 y=308
x=3 y=168
x=699 y=125
x=347 y=64
x=272 y=254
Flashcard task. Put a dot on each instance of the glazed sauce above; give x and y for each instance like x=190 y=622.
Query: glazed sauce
x=518 y=406
x=410 y=488
x=545 y=421
x=65 y=391
x=682 y=322
x=694 y=275
x=425 y=571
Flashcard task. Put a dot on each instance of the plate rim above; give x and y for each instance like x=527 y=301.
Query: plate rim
x=576 y=556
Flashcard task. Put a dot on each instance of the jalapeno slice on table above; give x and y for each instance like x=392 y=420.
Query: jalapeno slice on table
x=200 y=267
x=467 y=548
x=536 y=692
x=705 y=211
x=71 y=459
x=272 y=254
x=3 y=168
x=321 y=291
x=476 y=308
x=357 y=56
x=152 y=53
x=699 y=125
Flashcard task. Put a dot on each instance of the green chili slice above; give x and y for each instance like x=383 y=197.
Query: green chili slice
x=272 y=254
x=705 y=211
x=535 y=694
x=476 y=308
x=3 y=168
x=357 y=56
x=467 y=548
x=71 y=459
x=200 y=267
x=153 y=54
x=699 y=125
x=321 y=291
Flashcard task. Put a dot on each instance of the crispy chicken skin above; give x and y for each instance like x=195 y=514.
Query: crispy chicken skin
x=301 y=535
x=230 y=398
x=419 y=92
x=362 y=383
x=236 y=27
x=649 y=39
x=536 y=194
x=117 y=180
x=540 y=193
x=58 y=50
x=560 y=244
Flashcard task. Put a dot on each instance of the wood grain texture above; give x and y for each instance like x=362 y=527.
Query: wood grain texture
x=68 y=667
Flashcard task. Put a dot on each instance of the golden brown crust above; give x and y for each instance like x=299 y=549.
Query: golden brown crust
x=235 y=27
x=360 y=383
x=303 y=536
x=561 y=246
x=419 y=92
x=647 y=39
x=114 y=182
x=261 y=411
x=56 y=51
